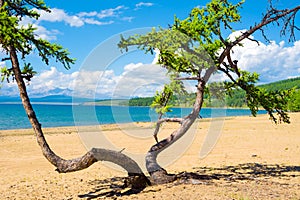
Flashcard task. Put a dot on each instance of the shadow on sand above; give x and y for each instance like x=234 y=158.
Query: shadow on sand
x=118 y=187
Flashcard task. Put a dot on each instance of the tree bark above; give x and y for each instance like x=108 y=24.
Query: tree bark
x=76 y=164
x=157 y=173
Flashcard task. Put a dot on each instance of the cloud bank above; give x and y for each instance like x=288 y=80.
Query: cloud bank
x=136 y=80
x=99 y=18
x=82 y=18
x=274 y=61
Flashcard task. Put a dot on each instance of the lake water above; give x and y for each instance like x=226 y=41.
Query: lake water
x=12 y=116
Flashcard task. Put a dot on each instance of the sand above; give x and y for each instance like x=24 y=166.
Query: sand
x=252 y=159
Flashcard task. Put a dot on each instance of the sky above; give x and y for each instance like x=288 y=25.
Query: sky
x=91 y=29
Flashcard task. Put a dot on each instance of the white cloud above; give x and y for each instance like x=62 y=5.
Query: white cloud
x=99 y=18
x=94 y=84
x=106 y=13
x=136 y=80
x=46 y=34
x=87 y=14
x=111 y=12
x=97 y=22
x=143 y=4
x=40 y=32
x=103 y=17
x=274 y=61
x=128 y=19
x=140 y=80
x=51 y=80
x=131 y=67
x=155 y=60
x=2 y=64
x=59 y=15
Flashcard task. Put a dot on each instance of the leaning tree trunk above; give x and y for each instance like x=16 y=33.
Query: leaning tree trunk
x=92 y=156
x=157 y=173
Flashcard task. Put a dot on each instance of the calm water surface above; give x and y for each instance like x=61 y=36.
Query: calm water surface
x=12 y=116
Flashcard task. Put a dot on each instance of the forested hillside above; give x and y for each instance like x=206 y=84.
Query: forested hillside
x=236 y=99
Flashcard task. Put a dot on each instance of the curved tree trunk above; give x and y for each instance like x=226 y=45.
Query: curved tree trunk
x=82 y=162
x=157 y=173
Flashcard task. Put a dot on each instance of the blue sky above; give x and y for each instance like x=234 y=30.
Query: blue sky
x=83 y=26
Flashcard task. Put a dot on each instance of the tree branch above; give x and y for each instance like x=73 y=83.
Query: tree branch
x=208 y=73
x=228 y=74
x=158 y=174
x=160 y=121
x=4 y=59
x=62 y=165
x=188 y=78
x=266 y=20
x=233 y=65
x=253 y=40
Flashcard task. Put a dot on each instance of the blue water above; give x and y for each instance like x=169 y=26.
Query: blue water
x=12 y=116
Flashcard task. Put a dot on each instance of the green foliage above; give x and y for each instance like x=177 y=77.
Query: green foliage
x=28 y=69
x=177 y=51
x=5 y=74
x=21 y=8
x=47 y=50
x=237 y=98
x=216 y=90
x=27 y=73
x=189 y=46
x=204 y=24
x=161 y=100
x=272 y=101
x=162 y=39
x=294 y=103
x=22 y=39
x=293 y=86
x=287 y=91
x=141 y=101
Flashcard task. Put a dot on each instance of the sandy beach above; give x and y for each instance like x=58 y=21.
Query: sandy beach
x=252 y=159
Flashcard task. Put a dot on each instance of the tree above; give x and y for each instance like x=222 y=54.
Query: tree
x=18 y=40
x=194 y=49
x=198 y=61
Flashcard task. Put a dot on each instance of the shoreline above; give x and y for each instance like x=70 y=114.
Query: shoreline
x=74 y=127
x=71 y=127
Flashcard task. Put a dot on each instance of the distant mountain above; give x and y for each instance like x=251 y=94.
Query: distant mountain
x=9 y=99
x=48 y=99
x=53 y=98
